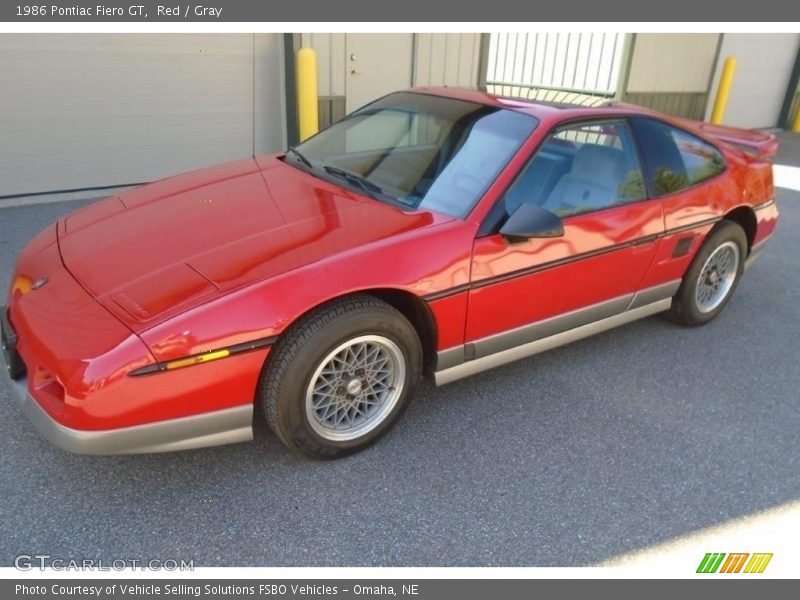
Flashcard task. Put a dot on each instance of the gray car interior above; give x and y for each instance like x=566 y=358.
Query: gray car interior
x=565 y=176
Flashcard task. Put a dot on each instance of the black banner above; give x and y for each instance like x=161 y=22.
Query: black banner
x=178 y=11
x=351 y=589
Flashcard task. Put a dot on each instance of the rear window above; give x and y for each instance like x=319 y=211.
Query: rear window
x=675 y=159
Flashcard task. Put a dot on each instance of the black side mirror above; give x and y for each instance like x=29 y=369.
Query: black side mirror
x=531 y=221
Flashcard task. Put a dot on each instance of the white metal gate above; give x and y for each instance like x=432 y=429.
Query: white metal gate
x=589 y=63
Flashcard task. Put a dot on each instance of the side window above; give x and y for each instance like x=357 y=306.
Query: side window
x=579 y=169
x=675 y=159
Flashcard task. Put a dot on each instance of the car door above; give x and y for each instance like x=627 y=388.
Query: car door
x=588 y=174
x=682 y=171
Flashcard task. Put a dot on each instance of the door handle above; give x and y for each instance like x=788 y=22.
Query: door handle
x=645 y=243
x=645 y=246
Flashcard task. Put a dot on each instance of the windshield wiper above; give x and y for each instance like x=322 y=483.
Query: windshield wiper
x=300 y=157
x=365 y=184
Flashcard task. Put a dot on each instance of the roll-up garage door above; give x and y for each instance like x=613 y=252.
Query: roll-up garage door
x=764 y=65
x=87 y=111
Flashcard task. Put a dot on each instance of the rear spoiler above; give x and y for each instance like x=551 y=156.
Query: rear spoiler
x=759 y=144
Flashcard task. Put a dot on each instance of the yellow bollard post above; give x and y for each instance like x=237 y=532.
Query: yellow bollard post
x=307 y=100
x=796 y=123
x=725 y=81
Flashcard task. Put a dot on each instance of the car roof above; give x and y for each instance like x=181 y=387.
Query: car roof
x=556 y=104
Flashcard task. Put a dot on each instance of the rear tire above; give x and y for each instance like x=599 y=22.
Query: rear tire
x=340 y=377
x=712 y=277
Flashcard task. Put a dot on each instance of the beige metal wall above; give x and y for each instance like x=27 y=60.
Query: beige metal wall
x=764 y=66
x=670 y=72
x=82 y=111
x=439 y=59
x=451 y=59
x=672 y=62
x=377 y=64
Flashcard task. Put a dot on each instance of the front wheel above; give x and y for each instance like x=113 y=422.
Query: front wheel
x=712 y=277
x=339 y=378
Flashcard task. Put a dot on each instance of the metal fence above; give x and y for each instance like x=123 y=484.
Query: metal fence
x=589 y=63
x=552 y=66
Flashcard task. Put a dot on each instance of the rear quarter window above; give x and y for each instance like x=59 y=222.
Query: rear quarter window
x=675 y=159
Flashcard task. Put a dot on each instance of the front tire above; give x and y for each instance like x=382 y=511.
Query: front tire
x=712 y=277
x=339 y=378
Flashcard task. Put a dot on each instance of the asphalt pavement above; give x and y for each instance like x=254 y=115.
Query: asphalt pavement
x=569 y=458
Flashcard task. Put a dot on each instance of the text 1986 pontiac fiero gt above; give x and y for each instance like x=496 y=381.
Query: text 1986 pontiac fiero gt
x=434 y=231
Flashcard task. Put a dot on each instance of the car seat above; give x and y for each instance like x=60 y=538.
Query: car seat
x=592 y=182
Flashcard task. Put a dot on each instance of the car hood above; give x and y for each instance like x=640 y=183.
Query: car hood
x=165 y=247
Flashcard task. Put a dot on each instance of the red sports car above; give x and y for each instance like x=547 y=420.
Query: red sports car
x=434 y=231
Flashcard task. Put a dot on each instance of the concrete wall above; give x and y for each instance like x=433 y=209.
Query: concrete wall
x=764 y=65
x=88 y=110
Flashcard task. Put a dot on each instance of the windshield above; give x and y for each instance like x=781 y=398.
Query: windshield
x=418 y=151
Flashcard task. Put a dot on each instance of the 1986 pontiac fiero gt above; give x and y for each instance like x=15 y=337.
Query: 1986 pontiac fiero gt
x=434 y=231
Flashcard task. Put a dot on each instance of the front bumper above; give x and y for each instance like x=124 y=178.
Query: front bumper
x=225 y=426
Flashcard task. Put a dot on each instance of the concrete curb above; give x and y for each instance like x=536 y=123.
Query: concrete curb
x=62 y=197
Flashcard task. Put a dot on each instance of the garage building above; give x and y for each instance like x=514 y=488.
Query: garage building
x=85 y=112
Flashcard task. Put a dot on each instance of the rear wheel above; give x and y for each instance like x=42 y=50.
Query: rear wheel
x=712 y=277
x=340 y=377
